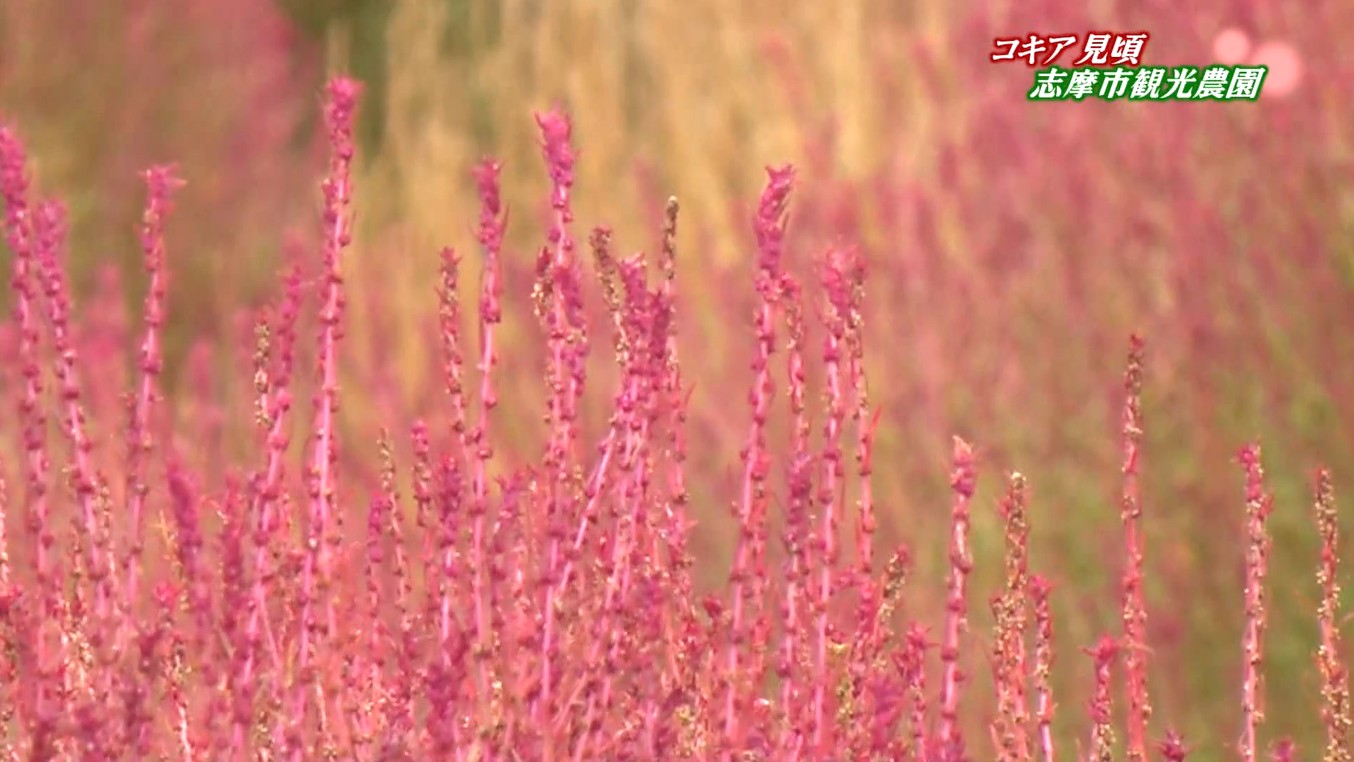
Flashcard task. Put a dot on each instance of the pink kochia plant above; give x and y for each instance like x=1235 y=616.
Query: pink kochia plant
x=542 y=610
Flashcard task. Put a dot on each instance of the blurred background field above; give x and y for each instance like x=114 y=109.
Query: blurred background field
x=1012 y=247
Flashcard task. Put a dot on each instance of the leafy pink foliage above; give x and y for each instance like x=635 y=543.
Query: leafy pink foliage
x=539 y=610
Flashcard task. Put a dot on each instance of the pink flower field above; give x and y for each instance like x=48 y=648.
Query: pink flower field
x=607 y=383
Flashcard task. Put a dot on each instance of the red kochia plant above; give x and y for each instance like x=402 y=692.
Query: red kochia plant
x=540 y=610
x=1334 y=671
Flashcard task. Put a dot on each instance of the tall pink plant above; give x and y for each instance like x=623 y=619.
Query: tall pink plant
x=340 y=112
